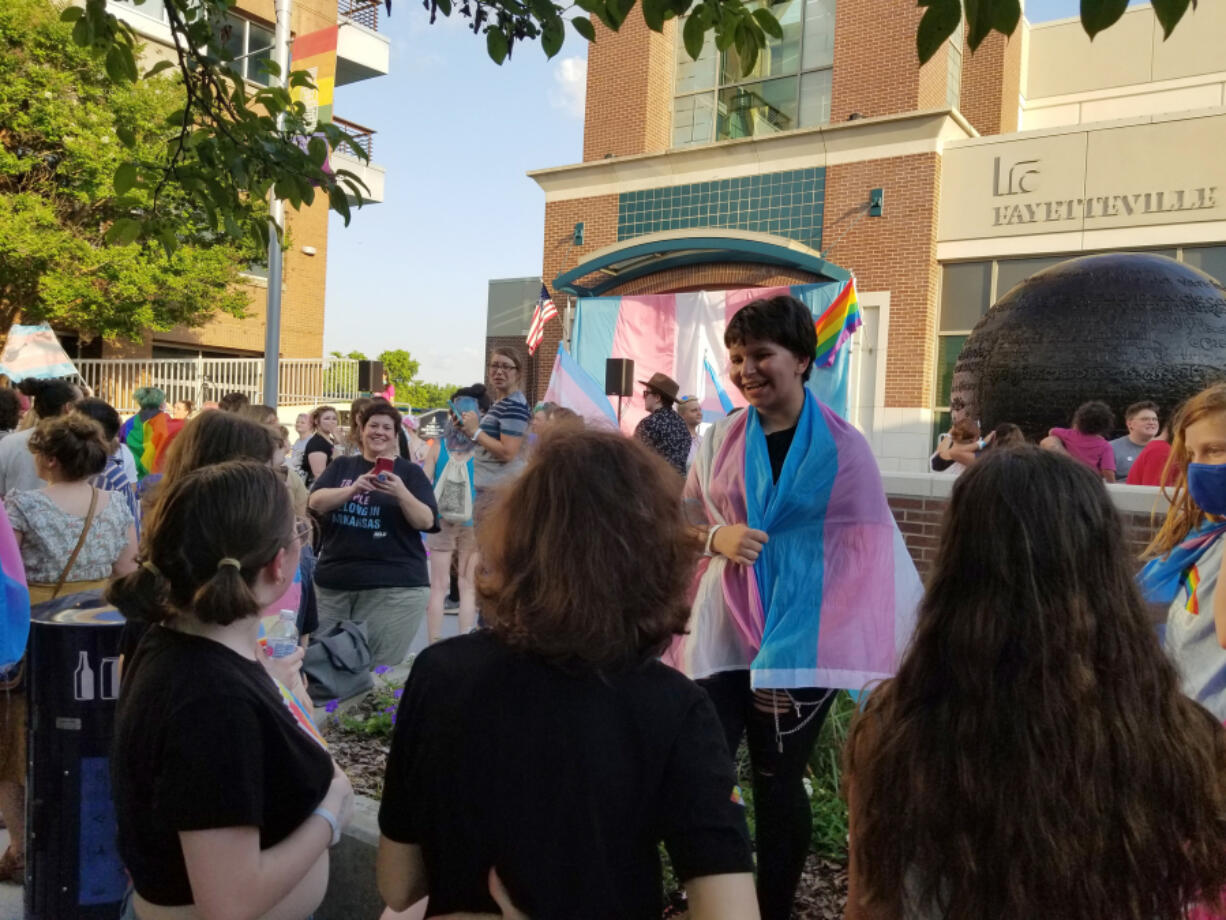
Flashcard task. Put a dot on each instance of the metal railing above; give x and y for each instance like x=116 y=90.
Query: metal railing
x=364 y=136
x=301 y=381
x=363 y=12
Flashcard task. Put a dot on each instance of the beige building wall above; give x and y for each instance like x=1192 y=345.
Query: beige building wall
x=1127 y=71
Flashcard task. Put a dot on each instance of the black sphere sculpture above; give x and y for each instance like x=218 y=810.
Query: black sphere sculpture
x=1121 y=327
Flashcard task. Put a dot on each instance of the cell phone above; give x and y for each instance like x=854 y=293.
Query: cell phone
x=383 y=465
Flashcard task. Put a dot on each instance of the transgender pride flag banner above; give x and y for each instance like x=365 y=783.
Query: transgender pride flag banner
x=573 y=387
x=682 y=335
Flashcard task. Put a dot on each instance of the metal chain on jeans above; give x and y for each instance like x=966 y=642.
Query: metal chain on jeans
x=797 y=704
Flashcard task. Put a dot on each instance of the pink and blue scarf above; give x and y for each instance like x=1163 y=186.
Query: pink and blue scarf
x=831 y=600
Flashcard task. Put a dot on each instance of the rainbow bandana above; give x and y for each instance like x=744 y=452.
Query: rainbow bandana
x=147 y=441
x=1162 y=579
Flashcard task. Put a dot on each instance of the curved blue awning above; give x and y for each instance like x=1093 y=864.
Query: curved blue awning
x=646 y=255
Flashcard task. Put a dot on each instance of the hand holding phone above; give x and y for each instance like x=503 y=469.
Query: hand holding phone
x=384 y=467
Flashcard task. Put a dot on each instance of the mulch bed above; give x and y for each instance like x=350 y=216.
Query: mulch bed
x=823 y=886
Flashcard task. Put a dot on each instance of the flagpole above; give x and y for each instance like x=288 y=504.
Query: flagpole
x=566 y=322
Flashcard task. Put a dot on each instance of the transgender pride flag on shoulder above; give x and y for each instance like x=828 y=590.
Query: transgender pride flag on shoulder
x=682 y=335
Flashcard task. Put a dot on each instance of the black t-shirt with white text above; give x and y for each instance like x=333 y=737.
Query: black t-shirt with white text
x=367 y=542
x=564 y=781
x=204 y=739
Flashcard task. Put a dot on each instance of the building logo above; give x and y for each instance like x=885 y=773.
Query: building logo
x=1021 y=178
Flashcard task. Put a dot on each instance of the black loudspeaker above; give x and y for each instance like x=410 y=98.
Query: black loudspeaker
x=370 y=376
x=619 y=377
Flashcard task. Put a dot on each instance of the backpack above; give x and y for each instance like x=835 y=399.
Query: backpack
x=454 y=491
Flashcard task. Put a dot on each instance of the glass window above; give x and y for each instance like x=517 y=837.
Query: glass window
x=692 y=76
x=948 y=349
x=953 y=69
x=250 y=45
x=965 y=293
x=693 y=119
x=1012 y=272
x=154 y=9
x=1209 y=259
x=779 y=57
x=819 y=34
x=757 y=108
x=815 y=98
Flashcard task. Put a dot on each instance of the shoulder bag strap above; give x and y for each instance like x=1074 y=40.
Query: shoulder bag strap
x=89 y=520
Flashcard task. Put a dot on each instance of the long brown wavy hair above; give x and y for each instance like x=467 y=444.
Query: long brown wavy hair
x=1183 y=516
x=1033 y=757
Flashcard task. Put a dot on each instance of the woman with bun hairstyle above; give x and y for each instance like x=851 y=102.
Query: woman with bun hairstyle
x=226 y=796
x=1186 y=555
x=73 y=536
x=1034 y=756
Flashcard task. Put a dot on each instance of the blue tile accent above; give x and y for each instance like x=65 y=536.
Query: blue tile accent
x=788 y=204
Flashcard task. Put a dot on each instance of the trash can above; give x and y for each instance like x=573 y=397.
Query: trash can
x=72 y=860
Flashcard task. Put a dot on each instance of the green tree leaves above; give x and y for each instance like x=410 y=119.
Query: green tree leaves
x=79 y=164
x=941 y=18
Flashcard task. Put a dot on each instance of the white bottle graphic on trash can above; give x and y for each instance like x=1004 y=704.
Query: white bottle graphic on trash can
x=83 y=679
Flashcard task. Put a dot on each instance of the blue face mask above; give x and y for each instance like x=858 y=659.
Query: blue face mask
x=456 y=440
x=1207 y=486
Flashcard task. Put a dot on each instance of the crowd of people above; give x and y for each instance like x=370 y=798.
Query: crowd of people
x=633 y=611
x=1138 y=456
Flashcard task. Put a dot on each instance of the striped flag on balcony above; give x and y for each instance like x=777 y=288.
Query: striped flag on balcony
x=544 y=312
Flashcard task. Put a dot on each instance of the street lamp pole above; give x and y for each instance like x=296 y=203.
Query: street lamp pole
x=276 y=220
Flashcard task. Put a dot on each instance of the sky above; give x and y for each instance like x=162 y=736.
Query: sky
x=457 y=134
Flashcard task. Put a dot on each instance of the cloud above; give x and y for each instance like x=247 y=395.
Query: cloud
x=569 y=86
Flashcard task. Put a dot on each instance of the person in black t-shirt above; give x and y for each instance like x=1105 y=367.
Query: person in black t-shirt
x=372 y=562
x=321 y=447
x=225 y=794
x=554 y=748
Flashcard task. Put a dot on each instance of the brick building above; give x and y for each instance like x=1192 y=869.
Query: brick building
x=361 y=53
x=979 y=158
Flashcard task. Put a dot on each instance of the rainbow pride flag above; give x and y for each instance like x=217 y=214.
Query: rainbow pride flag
x=147 y=441
x=837 y=323
x=1189 y=582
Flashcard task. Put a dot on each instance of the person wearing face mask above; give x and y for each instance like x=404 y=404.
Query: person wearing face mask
x=449 y=464
x=1186 y=555
x=372 y=562
x=806 y=586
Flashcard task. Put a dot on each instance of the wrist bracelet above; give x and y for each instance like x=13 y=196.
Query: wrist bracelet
x=710 y=536
x=332 y=823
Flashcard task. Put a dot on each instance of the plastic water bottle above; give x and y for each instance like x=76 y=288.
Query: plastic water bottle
x=282 y=636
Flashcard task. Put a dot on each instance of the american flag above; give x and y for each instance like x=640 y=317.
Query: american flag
x=544 y=312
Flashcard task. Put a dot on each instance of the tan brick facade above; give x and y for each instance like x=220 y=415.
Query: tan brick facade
x=991 y=82
x=895 y=253
x=629 y=90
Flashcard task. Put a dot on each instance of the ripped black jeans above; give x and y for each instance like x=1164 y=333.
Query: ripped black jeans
x=781 y=728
